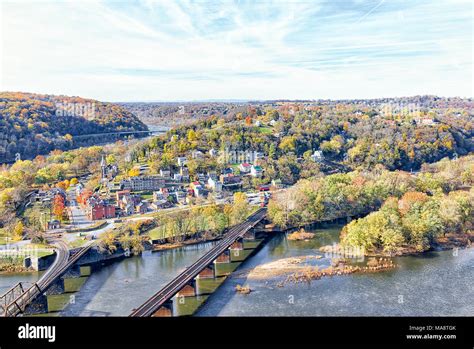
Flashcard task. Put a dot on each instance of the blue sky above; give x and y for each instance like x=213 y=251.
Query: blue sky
x=192 y=50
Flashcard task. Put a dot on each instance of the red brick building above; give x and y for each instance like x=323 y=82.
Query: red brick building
x=99 y=209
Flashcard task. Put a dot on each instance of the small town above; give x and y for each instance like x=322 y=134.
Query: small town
x=210 y=165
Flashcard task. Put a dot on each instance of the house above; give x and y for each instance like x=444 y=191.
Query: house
x=200 y=192
x=79 y=188
x=120 y=194
x=97 y=208
x=41 y=195
x=228 y=171
x=212 y=175
x=256 y=171
x=142 y=207
x=180 y=197
x=230 y=181
x=177 y=177
x=214 y=184
x=426 y=121
x=277 y=184
x=143 y=183
x=54 y=224
x=166 y=191
x=197 y=189
x=317 y=156
x=213 y=152
x=128 y=209
x=258 y=123
x=202 y=177
x=158 y=196
x=194 y=185
x=273 y=122
x=133 y=200
x=181 y=161
x=160 y=204
x=165 y=173
x=245 y=167
x=197 y=154
x=184 y=172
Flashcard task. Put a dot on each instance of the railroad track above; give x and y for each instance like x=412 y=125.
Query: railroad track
x=156 y=301
x=60 y=265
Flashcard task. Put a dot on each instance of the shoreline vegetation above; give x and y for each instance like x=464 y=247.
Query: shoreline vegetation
x=449 y=241
x=243 y=289
x=13 y=268
x=300 y=235
x=408 y=213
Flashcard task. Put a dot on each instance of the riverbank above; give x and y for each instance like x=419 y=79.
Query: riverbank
x=449 y=241
x=187 y=242
x=12 y=268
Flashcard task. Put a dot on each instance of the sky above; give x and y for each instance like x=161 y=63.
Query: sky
x=256 y=50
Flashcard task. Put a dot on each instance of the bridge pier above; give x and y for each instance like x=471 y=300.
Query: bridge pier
x=73 y=272
x=237 y=245
x=250 y=235
x=208 y=272
x=38 y=306
x=223 y=257
x=166 y=310
x=57 y=287
x=188 y=290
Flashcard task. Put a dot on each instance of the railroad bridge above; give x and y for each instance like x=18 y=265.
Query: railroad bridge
x=231 y=247
x=20 y=299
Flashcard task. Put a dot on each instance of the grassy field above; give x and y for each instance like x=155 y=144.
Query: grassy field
x=145 y=194
x=155 y=233
x=265 y=130
x=77 y=242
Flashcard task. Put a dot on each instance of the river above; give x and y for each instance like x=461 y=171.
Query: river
x=432 y=284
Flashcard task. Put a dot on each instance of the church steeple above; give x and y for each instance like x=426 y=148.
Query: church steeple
x=103 y=166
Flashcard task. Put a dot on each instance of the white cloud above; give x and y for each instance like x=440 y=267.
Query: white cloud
x=202 y=50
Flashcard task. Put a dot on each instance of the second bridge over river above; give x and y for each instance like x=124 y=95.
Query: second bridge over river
x=184 y=285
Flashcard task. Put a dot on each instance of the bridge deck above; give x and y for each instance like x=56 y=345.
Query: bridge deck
x=61 y=264
x=165 y=294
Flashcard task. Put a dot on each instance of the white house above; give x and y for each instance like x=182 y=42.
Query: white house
x=158 y=196
x=317 y=156
x=180 y=197
x=256 y=171
x=213 y=152
x=273 y=122
x=165 y=173
x=245 y=167
x=214 y=184
x=182 y=160
x=212 y=174
x=129 y=209
x=184 y=172
x=197 y=154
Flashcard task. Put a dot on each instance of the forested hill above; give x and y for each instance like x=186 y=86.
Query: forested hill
x=33 y=124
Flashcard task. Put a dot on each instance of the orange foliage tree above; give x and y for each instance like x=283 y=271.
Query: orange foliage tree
x=409 y=199
x=58 y=206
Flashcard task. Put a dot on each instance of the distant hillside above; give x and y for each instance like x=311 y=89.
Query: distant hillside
x=33 y=124
x=180 y=113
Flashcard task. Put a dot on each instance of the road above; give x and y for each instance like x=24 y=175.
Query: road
x=77 y=214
